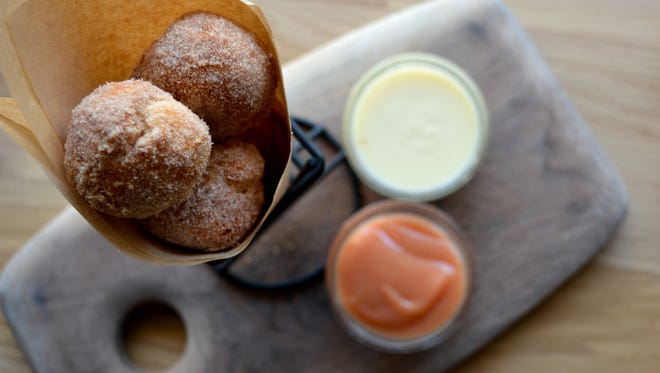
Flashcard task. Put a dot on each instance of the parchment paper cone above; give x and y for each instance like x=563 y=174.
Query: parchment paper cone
x=54 y=52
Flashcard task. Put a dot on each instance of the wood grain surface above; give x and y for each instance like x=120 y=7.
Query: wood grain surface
x=606 y=55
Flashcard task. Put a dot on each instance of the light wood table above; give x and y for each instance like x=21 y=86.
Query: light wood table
x=606 y=55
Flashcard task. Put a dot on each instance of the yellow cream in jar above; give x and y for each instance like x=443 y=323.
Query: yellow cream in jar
x=415 y=127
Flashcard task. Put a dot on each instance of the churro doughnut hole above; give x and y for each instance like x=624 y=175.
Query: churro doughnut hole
x=216 y=68
x=132 y=150
x=223 y=207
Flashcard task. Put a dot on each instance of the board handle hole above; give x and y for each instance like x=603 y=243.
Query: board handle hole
x=153 y=336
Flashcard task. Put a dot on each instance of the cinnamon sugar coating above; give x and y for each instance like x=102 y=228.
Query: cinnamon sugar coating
x=216 y=68
x=224 y=206
x=132 y=150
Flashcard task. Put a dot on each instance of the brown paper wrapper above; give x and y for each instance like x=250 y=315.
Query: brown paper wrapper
x=55 y=52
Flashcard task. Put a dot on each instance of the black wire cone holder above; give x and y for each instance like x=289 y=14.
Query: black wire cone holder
x=311 y=166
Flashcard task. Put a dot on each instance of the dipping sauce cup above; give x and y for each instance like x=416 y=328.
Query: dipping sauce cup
x=398 y=276
x=415 y=127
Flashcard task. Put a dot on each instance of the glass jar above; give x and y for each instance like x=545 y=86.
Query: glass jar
x=415 y=127
x=419 y=328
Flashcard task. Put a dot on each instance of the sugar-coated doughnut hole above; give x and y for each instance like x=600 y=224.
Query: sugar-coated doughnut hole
x=132 y=150
x=224 y=206
x=216 y=68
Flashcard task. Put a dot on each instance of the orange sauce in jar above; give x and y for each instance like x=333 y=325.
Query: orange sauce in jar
x=399 y=275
